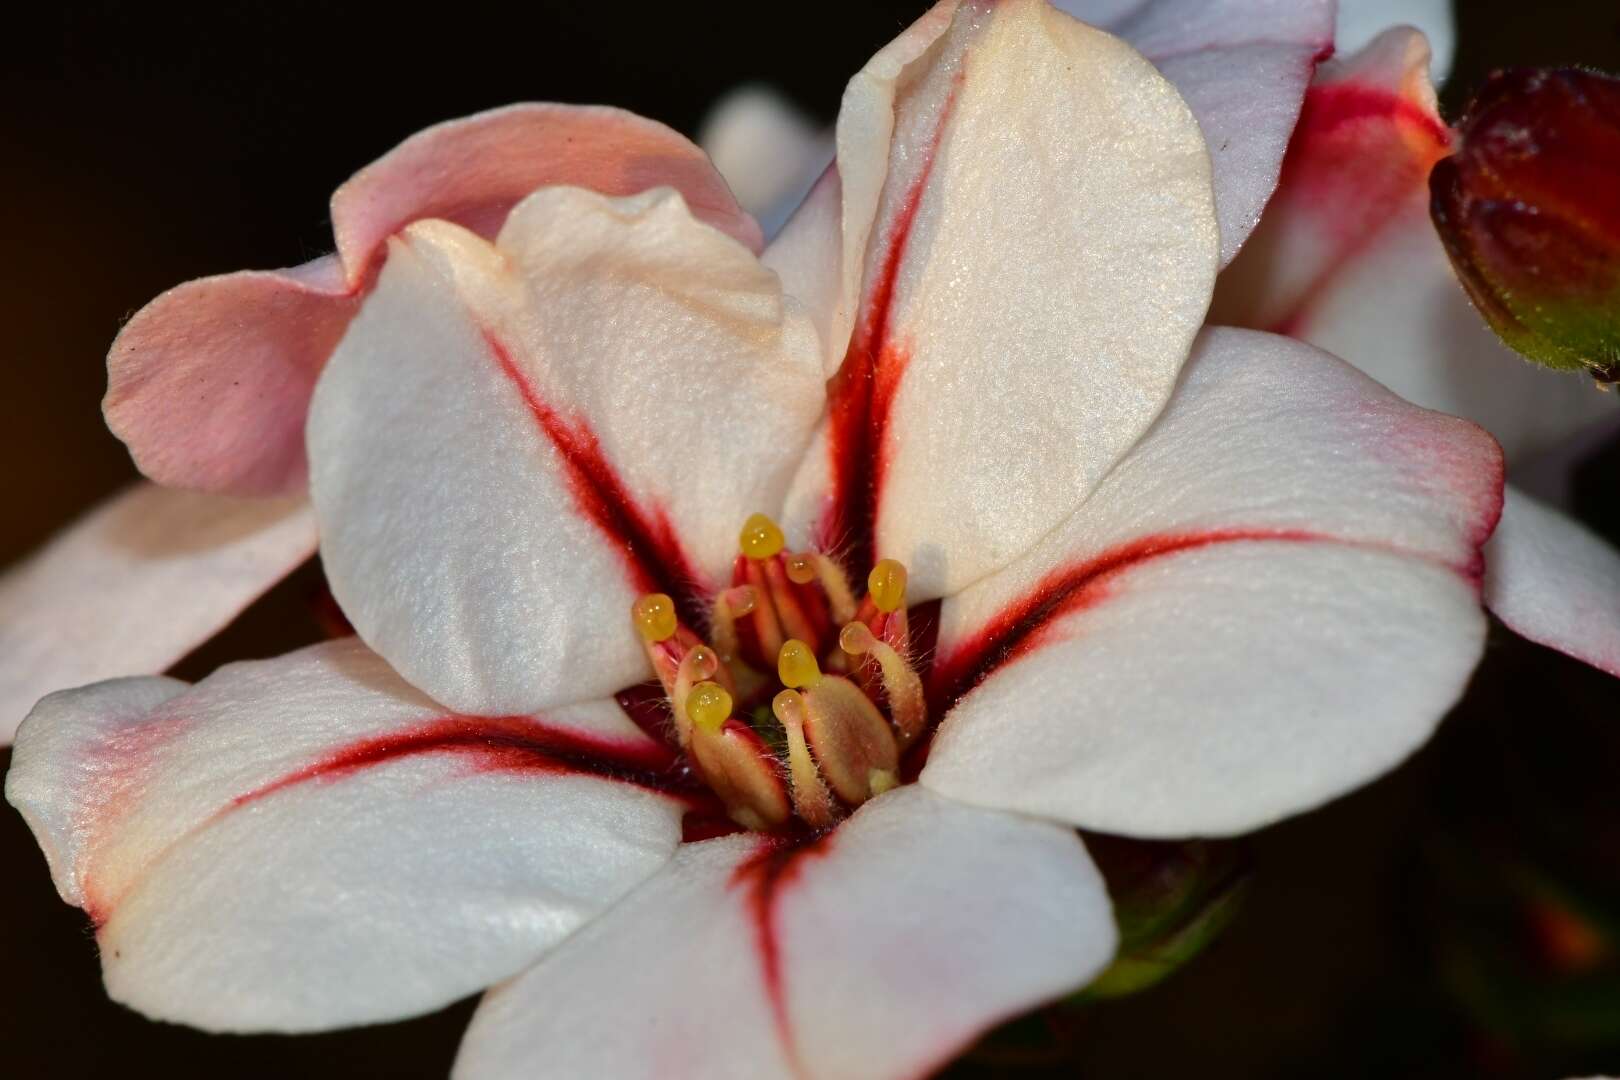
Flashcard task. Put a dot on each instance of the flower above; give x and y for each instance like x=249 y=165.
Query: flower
x=1121 y=572
x=1528 y=211
x=209 y=386
x=1345 y=233
x=1348 y=234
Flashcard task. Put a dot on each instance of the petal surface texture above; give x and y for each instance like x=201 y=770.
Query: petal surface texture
x=514 y=441
x=307 y=843
x=1243 y=66
x=1027 y=206
x=835 y=960
x=1273 y=599
x=1348 y=260
x=1554 y=582
x=136 y=584
x=209 y=384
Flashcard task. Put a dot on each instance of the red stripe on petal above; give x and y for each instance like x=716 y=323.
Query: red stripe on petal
x=499 y=744
x=1359 y=156
x=644 y=537
x=861 y=395
x=1020 y=626
x=764 y=877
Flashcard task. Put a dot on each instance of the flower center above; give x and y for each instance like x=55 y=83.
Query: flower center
x=803 y=699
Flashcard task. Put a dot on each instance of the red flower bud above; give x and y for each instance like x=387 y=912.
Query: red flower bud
x=1529 y=210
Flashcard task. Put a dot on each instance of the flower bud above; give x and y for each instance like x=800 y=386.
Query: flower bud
x=1529 y=210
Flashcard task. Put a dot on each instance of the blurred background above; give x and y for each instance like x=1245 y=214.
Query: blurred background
x=1459 y=918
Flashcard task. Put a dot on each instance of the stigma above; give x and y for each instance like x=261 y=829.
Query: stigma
x=800 y=697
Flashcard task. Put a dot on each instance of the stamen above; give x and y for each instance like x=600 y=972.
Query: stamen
x=796 y=666
x=900 y=683
x=737 y=765
x=655 y=618
x=840 y=598
x=886 y=585
x=811 y=800
x=698 y=665
x=767 y=625
x=708 y=706
x=851 y=740
x=731 y=605
x=761 y=538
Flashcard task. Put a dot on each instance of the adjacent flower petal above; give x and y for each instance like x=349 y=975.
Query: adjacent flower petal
x=769 y=151
x=1555 y=583
x=308 y=843
x=1362 y=20
x=1272 y=599
x=1243 y=66
x=1029 y=204
x=472 y=171
x=515 y=441
x=1347 y=259
x=877 y=951
x=136 y=584
x=209 y=384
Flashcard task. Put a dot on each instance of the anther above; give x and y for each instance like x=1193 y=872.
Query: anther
x=760 y=538
x=654 y=616
x=886 y=585
x=901 y=684
x=708 y=706
x=796 y=665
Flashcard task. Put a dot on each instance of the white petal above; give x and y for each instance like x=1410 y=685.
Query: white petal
x=136 y=584
x=878 y=951
x=1272 y=599
x=769 y=151
x=307 y=843
x=1347 y=259
x=1362 y=20
x=1397 y=312
x=1243 y=66
x=515 y=441
x=1029 y=204
x=1554 y=582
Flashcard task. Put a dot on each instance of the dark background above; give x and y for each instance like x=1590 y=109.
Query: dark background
x=144 y=145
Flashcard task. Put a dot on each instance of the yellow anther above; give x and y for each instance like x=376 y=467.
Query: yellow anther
x=654 y=615
x=796 y=665
x=882 y=780
x=856 y=638
x=801 y=569
x=708 y=706
x=761 y=538
x=886 y=585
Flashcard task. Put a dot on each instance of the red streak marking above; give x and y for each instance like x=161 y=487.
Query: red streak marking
x=1019 y=627
x=764 y=876
x=1346 y=169
x=647 y=542
x=862 y=393
x=1331 y=106
x=500 y=744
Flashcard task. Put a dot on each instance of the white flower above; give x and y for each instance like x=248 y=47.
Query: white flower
x=1131 y=575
